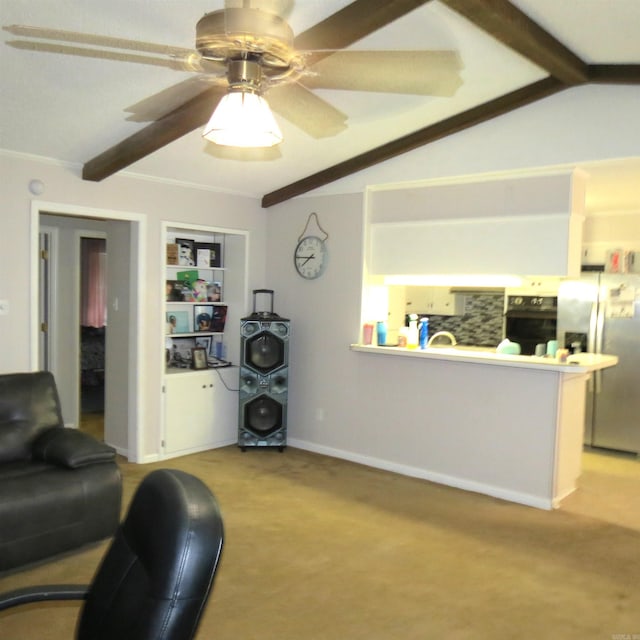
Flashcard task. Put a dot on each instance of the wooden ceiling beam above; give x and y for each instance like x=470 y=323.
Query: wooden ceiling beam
x=191 y=115
x=454 y=124
x=507 y=24
x=615 y=73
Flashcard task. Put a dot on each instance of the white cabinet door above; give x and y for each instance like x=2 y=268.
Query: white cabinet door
x=433 y=300
x=190 y=412
x=445 y=303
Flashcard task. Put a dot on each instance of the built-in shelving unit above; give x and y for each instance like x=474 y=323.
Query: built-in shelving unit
x=205 y=271
x=195 y=311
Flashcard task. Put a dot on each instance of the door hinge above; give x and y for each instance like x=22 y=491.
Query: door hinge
x=44 y=254
x=44 y=327
x=162 y=444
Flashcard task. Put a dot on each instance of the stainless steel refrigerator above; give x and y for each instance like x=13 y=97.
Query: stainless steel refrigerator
x=600 y=313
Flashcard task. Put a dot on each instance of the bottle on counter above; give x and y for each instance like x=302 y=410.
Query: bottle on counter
x=412 y=334
x=381 y=333
x=423 y=332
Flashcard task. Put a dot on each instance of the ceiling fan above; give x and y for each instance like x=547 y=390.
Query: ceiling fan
x=245 y=52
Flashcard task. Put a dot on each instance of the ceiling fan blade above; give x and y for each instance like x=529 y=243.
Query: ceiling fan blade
x=96 y=40
x=193 y=62
x=426 y=73
x=306 y=110
x=170 y=99
x=189 y=116
x=354 y=22
x=243 y=154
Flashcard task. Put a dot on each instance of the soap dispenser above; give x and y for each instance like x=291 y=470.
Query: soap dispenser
x=412 y=337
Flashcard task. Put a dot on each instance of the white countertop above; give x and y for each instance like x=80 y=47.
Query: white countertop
x=579 y=363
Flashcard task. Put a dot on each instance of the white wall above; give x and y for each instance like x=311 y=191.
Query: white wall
x=152 y=202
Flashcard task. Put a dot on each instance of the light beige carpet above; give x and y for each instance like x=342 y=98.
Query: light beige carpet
x=322 y=549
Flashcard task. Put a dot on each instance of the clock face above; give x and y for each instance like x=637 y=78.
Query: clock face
x=310 y=257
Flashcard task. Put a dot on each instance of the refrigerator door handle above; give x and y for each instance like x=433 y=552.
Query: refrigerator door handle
x=592 y=346
x=599 y=340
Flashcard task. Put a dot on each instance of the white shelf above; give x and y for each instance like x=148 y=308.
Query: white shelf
x=194 y=267
x=201 y=302
x=194 y=334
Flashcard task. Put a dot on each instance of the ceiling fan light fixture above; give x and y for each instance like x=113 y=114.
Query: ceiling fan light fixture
x=243 y=119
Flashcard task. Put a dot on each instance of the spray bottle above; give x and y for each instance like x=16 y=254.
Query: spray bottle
x=423 y=332
x=412 y=337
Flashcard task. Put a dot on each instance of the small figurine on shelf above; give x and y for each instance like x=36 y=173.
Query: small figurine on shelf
x=185 y=252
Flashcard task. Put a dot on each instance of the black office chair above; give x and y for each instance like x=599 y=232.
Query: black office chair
x=155 y=578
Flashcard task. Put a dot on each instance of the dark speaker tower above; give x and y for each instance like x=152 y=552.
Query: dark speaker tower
x=264 y=379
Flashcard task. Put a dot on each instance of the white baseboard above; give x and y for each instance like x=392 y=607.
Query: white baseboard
x=415 y=472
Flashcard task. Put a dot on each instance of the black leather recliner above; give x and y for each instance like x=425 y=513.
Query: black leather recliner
x=59 y=488
x=156 y=577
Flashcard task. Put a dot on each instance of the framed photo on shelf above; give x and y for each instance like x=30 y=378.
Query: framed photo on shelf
x=211 y=259
x=180 y=355
x=203 y=317
x=214 y=291
x=175 y=291
x=178 y=322
x=219 y=318
x=204 y=342
x=186 y=252
x=199 y=358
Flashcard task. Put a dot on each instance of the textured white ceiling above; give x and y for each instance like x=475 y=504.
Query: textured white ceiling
x=71 y=108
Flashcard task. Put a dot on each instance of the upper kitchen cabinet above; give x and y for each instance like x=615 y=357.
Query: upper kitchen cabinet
x=512 y=224
x=433 y=300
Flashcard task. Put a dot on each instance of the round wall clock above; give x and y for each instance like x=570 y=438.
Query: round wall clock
x=311 y=255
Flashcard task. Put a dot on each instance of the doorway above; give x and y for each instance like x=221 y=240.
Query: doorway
x=93 y=329
x=122 y=358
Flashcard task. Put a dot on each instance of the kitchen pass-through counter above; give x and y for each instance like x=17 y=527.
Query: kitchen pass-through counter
x=508 y=426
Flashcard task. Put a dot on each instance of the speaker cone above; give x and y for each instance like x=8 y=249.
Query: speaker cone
x=263 y=415
x=264 y=352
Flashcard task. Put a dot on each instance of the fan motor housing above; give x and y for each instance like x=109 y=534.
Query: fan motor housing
x=235 y=33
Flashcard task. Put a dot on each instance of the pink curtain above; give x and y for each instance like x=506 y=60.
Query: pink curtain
x=93 y=307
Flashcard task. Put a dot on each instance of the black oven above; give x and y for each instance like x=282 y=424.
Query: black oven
x=531 y=320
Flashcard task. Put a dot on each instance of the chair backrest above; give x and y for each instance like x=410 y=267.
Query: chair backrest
x=156 y=576
x=29 y=405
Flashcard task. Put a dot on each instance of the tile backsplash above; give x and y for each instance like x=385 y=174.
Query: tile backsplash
x=481 y=324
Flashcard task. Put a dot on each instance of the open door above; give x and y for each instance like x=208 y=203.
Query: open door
x=45 y=300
